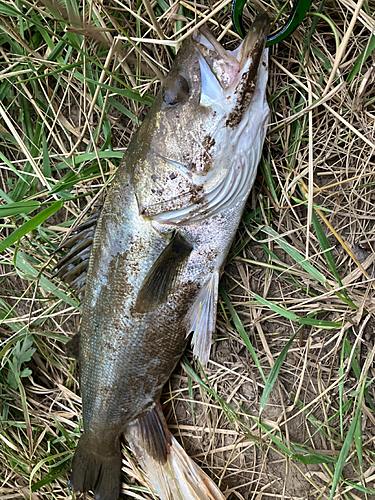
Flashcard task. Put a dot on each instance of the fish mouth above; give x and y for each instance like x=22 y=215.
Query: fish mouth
x=229 y=66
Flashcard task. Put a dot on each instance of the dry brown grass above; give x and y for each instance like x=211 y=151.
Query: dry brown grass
x=306 y=267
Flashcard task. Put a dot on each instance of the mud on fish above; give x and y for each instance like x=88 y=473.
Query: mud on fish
x=156 y=256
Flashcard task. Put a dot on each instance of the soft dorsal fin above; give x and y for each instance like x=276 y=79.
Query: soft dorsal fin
x=162 y=278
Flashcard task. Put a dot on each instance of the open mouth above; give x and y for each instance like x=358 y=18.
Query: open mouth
x=229 y=66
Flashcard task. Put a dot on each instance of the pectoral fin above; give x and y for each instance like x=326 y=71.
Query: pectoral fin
x=203 y=319
x=162 y=279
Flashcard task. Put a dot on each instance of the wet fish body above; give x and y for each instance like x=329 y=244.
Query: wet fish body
x=160 y=245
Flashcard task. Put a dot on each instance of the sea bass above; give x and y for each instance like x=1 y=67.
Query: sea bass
x=159 y=248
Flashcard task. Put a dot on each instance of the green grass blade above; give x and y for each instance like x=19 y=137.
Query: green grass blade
x=324 y=243
x=128 y=93
x=20 y=207
x=24 y=265
x=358 y=442
x=241 y=330
x=364 y=489
x=30 y=225
x=312 y=458
x=277 y=309
x=341 y=460
x=292 y=252
x=272 y=377
x=361 y=59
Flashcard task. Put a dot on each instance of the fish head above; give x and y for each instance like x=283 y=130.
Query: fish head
x=204 y=135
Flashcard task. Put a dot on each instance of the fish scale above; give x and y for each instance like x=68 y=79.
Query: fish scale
x=159 y=248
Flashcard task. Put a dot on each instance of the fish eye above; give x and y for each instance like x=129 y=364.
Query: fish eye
x=175 y=90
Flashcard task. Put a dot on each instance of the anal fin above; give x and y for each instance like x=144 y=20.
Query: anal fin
x=163 y=277
x=202 y=318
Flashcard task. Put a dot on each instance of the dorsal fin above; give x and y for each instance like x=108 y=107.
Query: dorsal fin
x=72 y=267
x=162 y=279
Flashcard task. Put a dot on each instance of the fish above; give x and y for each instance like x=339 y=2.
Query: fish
x=157 y=251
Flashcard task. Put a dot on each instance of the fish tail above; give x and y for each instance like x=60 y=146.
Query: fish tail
x=97 y=467
x=171 y=472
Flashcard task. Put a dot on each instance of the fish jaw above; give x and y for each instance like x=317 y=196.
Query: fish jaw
x=238 y=99
x=233 y=67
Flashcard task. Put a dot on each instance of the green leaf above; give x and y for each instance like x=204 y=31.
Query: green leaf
x=78 y=159
x=49 y=478
x=358 y=441
x=8 y=10
x=26 y=372
x=369 y=491
x=30 y=225
x=70 y=179
x=112 y=102
x=22 y=353
x=320 y=323
x=280 y=444
x=357 y=370
x=5 y=197
x=313 y=458
x=361 y=59
x=46 y=159
x=324 y=243
x=14 y=170
x=302 y=202
x=277 y=309
x=325 y=61
x=265 y=168
x=128 y=93
x=341 y=460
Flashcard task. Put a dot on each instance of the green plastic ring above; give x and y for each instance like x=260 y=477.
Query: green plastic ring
x=299 y=10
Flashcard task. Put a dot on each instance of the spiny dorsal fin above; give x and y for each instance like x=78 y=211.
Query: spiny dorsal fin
x=162 y=279
x=72 y=267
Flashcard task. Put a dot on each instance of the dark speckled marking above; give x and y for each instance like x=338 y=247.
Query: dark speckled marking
x=245 y=92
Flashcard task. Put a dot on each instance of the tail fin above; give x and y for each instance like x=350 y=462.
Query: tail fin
x=174 y=476
x=99 y=473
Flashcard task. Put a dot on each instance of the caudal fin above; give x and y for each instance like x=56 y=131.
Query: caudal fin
x=95 y=471
x=173 y=475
